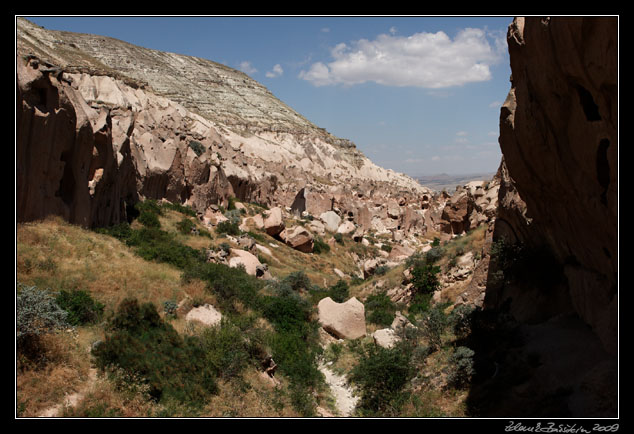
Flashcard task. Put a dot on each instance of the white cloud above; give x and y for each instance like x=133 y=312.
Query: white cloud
x=392 y=30
x=495 y=104
x=325 y=29
x=493 y=133
x=461 y=133
x=247 y=68
x=276 y=72
x=428 y=60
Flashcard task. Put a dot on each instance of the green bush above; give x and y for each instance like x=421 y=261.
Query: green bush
x=339 y=291
x=425 y=278
x=461 y=320
x=226 y=349
x=140 y=343
x=338 y=238
x=81 y=307
x=386 y=248
x=298 y=280
x=197 y=147
x=149 y=219
x=381 y=376
x=432 y=326
x=228 y=227
x=153 y=244
x=319 y=246
x=380 y=309
x=185 y=226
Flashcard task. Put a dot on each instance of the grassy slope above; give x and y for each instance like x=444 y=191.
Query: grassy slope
x=56 y=255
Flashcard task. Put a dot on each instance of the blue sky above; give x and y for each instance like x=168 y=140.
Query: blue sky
x=420 y=95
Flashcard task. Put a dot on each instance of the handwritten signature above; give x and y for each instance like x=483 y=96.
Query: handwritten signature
x=551 y=427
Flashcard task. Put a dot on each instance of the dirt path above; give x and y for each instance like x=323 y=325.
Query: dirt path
x=345 y=400
x=72 y=399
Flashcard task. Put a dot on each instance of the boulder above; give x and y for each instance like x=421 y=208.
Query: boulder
x=369 y=267
x=241 y=257
x=344 y=320
x=205 y=314
x=385 y=338
x=346 y=227
x=400 y=253
x=273 y=221
x=331 y=220
x=298 y=238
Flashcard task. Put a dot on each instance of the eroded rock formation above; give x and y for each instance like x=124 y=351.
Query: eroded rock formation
x=557 y=207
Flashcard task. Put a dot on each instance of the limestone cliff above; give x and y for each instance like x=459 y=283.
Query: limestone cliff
x=557 y=214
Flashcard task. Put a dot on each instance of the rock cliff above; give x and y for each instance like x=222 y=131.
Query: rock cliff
x=102 y=123
x=556 y=268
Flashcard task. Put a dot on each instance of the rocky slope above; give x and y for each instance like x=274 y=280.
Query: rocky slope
x=116 y=123
x=558 y=209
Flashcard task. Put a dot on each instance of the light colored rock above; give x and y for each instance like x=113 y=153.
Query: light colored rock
x=339 y=273
x=400 y=252
x=331 y=220
x=273 y=221
x=346 y=227
x=241 y=257
x=385 y=338
x=264 y=250
x=369 y=267
x=298 y=238
x=344 y=320
x=205 y=314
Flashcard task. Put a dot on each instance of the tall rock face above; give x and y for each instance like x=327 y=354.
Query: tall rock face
x=103 y=123
x=558 y=207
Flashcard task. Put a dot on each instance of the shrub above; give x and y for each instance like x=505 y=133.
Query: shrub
x=434 y=255
x=170 y=307
x=228 y=227
x=381 y=270
x=435 y=242
x=380 y=309
x=425 y=278
x=197 y=147
x=461 y=319
x=338 y=238
x=226 y=350
x=319 y=246
x=149 y=219
x=81 y=307
x=386 y=248
x=339 y=291
x=461 y=367
x=37 y=314
x=381 y=375
x=298 y=280
x=185 y=226
x=432 y=327
x=142 y=345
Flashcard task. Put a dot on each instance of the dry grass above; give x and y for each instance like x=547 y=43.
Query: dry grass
x=54 y=254
x=64 y=369
x=255 y=395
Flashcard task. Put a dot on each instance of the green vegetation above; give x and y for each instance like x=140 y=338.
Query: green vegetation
x=380 y=309
x=81 y=307
x=382 y=375
x=319 y=246
x=173 y=367
x=37 y=314
x=197 y=147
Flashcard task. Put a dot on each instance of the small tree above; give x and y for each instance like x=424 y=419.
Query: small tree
x=425 y=278
x=433 y=326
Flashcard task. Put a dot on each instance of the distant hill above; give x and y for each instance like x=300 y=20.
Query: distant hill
x=444 y=181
